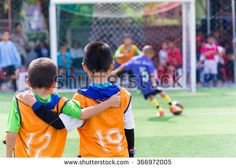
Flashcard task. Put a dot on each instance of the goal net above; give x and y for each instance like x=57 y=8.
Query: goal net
x=165 y=25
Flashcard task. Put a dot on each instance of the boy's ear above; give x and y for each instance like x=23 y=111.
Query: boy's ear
x=28 y=84
x=85 y=68
x=52 y=87
x=111 y=66
x=54 y=84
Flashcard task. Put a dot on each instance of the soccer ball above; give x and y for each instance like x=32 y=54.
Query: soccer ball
x=178 y=104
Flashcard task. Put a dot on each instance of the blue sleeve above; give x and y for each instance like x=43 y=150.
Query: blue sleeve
x=36 y=105
x=151 y=68
x=129 y=65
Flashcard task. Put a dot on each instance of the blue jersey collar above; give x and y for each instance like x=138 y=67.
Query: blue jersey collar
x=101 y=85
x=99 y=92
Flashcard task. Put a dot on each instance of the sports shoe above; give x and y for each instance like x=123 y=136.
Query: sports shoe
x=174 y=108
x=160 y=112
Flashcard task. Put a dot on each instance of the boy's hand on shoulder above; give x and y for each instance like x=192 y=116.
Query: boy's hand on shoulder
x=27 y=97
x=115 y=100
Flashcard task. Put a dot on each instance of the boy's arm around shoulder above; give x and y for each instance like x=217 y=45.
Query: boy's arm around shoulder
x=113 y=101
x=71 y=113
x=89 y=112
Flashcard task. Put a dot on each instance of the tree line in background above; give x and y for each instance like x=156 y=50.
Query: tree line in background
x=16 y=9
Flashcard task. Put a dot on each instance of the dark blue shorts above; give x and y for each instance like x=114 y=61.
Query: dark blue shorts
x=154 y=92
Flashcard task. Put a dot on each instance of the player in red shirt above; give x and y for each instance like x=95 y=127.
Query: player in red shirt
x=174 y=56
x=209 y=53
x=174 y=63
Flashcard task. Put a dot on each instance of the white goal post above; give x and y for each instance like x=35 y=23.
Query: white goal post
x=188 y=31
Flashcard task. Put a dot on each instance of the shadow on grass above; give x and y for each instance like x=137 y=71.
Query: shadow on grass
x=166 y=118
x=161 y=119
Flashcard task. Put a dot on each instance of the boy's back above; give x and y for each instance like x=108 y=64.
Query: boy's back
x=35 y=137
x=103 y=135
x=27 y=134
x=139 y=63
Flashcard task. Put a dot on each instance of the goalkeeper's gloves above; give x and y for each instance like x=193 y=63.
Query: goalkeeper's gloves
x=132 y=152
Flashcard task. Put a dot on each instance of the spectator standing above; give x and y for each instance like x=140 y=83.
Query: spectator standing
x=199 y=42
x=229 y=66
x=163 y=55
x=10 y=59
x=42 y=49
x=163 y=59
x=20 y=41
x=31 y=54
x=77 y=55
x=174 y=59
x=222 y=59
x=209 y=53
x=63 y=59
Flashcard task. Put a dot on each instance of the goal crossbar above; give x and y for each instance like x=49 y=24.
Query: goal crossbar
x=113 y=1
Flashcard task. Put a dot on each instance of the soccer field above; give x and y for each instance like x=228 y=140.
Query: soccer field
x=207 y=127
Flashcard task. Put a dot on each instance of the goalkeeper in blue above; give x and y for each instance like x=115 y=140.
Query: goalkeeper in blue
x=145 y=75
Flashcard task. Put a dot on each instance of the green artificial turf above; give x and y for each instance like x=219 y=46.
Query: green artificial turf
x=207 y=127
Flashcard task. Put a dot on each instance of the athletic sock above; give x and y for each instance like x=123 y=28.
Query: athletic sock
x=206 y=78
x=167 y=99
x=214 y=78
x=155 y=104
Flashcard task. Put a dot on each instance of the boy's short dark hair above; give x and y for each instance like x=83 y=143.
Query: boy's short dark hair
x=127 y=36
x=42 y=73
x=17 y=24
x=98 y=56
x=210 y=36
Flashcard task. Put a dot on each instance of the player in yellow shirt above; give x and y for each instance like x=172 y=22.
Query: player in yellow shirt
x=126 y=51
x=28 y=135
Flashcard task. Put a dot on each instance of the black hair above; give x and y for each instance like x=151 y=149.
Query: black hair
x=210 y=35
x=98 y=56
x=17 y=24
x=126 y=36
x=42 y=73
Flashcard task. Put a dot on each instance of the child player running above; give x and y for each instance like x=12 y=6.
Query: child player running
x=145 y=75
